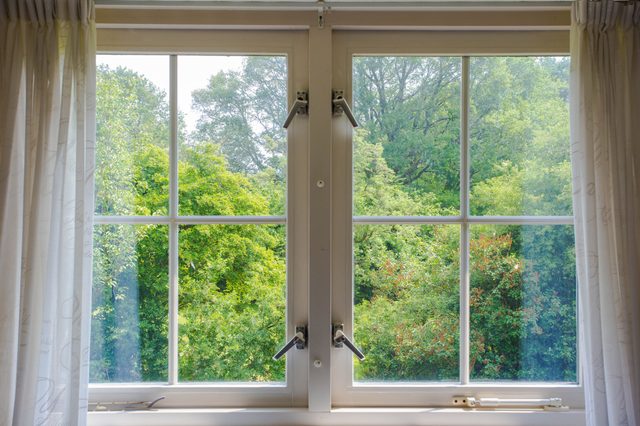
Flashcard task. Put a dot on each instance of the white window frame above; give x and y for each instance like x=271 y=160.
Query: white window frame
x=346 y=45
x=292 y=44
x=321 y=42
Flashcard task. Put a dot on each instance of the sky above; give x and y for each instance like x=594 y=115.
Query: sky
x=193 y=73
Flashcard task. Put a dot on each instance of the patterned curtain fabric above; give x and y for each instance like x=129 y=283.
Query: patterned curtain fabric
x=605 y=55
x=47 y=132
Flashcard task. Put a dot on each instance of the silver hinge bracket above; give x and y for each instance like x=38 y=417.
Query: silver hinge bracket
x=334 y=328
x=302 y=344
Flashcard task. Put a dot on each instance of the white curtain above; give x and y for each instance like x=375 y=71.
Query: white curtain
x=47 y=132
x=605 y=57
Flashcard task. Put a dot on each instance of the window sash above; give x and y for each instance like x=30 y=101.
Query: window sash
x=293 y=392
x=347 y=44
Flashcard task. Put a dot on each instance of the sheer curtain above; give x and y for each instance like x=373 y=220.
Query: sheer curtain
x=47 y=132
x=605 y=55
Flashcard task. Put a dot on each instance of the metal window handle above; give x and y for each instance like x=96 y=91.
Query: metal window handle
x=340 y=106
x=300 y=106
x=339 y=338
x=299 y=340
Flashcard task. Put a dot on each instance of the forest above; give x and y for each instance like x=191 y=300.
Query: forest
x=406 y=162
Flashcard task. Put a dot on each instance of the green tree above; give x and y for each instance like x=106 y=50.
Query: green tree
x=129 y=317
x=406 y=278
x=520 y=165
x=243 y=112
x=232 y=278
x=132 y=124
x=410 y=106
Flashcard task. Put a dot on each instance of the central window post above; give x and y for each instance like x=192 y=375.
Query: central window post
x=320 y=117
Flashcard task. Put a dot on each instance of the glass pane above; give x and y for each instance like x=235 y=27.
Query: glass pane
x=232 y=145
x=519 y=134
x=523 y=303
x=132 y=140
x=232 y=302
x=129 y=316
x=406 y=155
x=406 y=302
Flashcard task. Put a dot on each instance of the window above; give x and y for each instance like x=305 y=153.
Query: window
x=193 y=248
x=438 y=233
x=231 y=245
x=130 y=297
x=456 y=273
x=516 y=246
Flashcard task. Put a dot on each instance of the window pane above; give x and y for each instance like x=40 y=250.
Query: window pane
x=129 y=317
x=232 y=145
x=406 y=302
x=523 y=303
x=232 y=302
x=519 y=127
x=132 y=157
x=406 y=155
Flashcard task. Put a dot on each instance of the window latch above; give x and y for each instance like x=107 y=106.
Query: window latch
x=299 y=340
x=549 y=404
x=339 y=338
x=300 y=106
x=340 y=106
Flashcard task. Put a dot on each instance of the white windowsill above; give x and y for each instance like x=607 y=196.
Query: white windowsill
x=339 y=416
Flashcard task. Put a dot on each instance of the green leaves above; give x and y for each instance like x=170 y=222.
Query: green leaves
x=519 y=133
x=232 y=302
x=410 y=107
x=232 y=278
x=243 y=113
x=523 y=296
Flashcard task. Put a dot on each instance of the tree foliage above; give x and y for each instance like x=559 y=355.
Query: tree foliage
x=232 y=291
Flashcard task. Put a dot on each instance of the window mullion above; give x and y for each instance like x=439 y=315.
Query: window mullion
x=173 y=224
x=320 y=121
x=464 y=232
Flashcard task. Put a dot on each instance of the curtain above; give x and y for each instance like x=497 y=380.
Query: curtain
x=47 y=133
x=605 y=133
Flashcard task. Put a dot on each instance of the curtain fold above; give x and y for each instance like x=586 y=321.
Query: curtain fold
x=605 y=133
x=47 y=133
